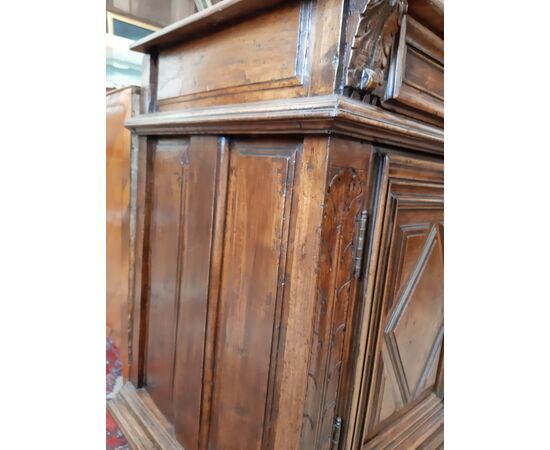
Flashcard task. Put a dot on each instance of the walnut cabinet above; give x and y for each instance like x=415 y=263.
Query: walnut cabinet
x=288 y=283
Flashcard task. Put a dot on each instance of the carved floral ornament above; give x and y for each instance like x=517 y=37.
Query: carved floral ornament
x=372 y=44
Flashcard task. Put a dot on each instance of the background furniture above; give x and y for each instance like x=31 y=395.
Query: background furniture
x=288 y=289
x=121 y=105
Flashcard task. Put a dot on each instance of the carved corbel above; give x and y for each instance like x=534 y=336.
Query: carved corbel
x=370 y=50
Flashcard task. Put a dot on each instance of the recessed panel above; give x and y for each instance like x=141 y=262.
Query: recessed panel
x=164 y=242
x=256 y=235
x=263 y=52
x=407 y=365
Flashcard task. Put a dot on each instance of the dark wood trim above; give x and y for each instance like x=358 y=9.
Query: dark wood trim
x=135 y=90
x=140 y=279
x=134 y=176
x=149 y=80
x=430 y=13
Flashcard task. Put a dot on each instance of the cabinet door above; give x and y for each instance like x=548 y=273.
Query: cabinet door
x=404 y=377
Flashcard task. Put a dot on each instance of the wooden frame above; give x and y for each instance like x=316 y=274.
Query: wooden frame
x=112 y=15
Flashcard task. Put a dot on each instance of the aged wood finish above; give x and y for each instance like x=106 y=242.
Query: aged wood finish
x=403 y=315
x=251 y=291
x=183 y=188
x=415 y=79
x=312 y=115
x=141 y=422
x=211 y=18
x=165 y=254
x=300 y=286
x=288 y=288
x=274 y=59
x=120 y=158
x=408 y=300
x=345 y=205
x=196 y=227
x=396 y=61
x=379 y=22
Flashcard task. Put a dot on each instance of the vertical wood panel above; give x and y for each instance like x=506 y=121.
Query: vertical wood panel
x=199 y=189
x=165 y=224
x=214 y=290
x=300 y=288
x=260 y=180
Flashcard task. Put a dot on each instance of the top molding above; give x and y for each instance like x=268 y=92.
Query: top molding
x=429 y=12
x=215 y=16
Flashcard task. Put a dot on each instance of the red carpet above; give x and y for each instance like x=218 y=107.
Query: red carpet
x=115 y=438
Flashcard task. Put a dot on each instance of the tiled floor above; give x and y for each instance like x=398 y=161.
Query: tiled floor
x=115 y=438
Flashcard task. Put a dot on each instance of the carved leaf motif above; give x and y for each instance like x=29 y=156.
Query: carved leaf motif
x=372 y=43
x=343 y=205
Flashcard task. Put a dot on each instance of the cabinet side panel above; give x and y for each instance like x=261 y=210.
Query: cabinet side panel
x=165 y=224
x=196 y=239
x=260 y=182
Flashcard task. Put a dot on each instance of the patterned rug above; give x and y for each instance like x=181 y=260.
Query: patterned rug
x=115 y=438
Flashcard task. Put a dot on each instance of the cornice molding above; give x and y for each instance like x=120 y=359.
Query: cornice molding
x=330 y=114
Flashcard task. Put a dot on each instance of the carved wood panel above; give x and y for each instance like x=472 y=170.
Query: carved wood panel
x=376 y=27
x=394 y=61
x=415 y=77
x=336 y=286
x=406 y=377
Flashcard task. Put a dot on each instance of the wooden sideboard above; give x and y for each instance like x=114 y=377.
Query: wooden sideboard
x=288 y=288
x=121 y=105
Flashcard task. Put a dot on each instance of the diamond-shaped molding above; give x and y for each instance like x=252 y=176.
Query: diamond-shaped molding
x=414 y=330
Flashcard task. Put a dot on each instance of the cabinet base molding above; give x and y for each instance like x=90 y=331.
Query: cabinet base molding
x=421 y=427
x=140 y=420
